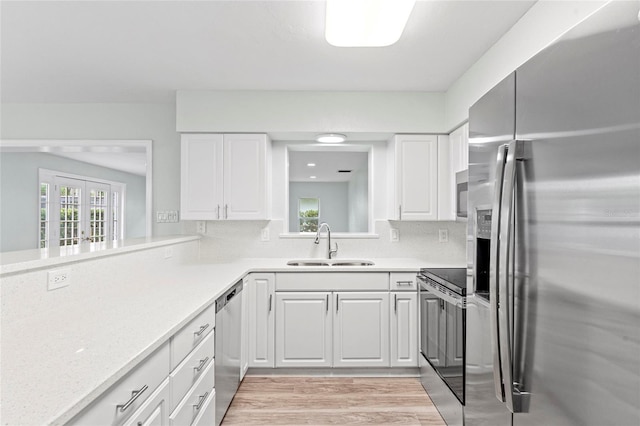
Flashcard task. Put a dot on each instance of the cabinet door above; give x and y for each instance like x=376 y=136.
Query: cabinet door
x=261 y=330
x=432 y=325
x=416 y=169
x=303 y=329
x=404 y=329
x=361 y=329
x=245 y=176
x=155 y=410
x=201 y=176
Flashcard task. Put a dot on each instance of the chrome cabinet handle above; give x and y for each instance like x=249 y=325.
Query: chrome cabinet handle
x=404 y=283
x=327 y=302
x=203 y=362
x=201 y=400
x=226 y=211
x=134 y=395
x=395 y=303
x=218 y=212
x=337 y=303
x=202 y=329
x=270 y=301
x=400 y=212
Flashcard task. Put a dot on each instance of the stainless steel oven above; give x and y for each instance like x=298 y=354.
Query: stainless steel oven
x=442 y=295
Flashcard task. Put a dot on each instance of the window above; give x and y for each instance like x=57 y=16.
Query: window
x=308 y=214
x=89 y=210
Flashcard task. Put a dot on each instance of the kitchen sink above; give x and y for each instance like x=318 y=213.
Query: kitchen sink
x=307 y=263
x=330 y=262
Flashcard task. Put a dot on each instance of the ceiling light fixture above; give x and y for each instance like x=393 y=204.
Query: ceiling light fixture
x=312 y=177
x=331 y=138
x=366 y=23
x=311 y=164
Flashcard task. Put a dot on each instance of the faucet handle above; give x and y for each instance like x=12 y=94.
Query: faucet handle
x=334 y=251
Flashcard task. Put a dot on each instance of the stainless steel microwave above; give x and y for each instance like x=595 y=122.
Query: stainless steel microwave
x=462 y=189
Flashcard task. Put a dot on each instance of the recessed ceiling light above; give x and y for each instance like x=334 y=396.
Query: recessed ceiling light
x=311 y=164
x=312 y=177
x=331 y=138
x=366 y=23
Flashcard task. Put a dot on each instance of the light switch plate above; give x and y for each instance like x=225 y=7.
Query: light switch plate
x=394 y=235
x=265 y=234
x=443 y=235
x=201 y=227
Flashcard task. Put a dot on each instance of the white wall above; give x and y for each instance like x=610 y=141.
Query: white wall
x=300 y=111
x=334 y=203
x=541 y=25
x=19 y=210
x=358 y=202
x=109 y=121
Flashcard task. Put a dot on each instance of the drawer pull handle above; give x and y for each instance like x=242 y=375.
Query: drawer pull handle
x=203 y=362
x=404 y=282
x=134 y=395
x=202 y=329
x=201 y=401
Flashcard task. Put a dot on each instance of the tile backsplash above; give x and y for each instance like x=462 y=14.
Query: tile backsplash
x=230 y=240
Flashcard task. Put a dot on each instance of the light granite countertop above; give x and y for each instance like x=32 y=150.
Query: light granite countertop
x=48 y=379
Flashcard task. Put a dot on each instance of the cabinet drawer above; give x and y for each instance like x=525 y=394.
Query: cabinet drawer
x=109 y=409
x=190 y=370
x=401 y=281
x=155 y=410
x=207 y=416
x=185 y=340
x=193 y=403
x=332 y=281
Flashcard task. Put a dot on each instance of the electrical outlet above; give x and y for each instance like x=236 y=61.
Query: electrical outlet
x=265 y=234
x=58 y=279
x=443 y=235
x=168 y=252
x=394 y=235
x=201 y=227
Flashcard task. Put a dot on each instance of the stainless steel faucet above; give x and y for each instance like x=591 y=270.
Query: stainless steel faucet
x=317 y=240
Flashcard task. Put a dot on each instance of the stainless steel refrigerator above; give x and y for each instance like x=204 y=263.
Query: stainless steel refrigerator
x=553 y=322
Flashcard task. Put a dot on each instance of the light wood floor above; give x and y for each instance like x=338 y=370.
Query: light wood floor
x=292 y=400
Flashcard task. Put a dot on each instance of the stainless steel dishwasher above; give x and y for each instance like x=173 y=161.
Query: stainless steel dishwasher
x=227 y=351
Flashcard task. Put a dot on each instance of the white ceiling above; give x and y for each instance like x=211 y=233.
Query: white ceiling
x=327 y=165
x=142 y=51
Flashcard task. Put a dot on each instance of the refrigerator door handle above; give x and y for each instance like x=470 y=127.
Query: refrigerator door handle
x=493 y=272
x=512 y=396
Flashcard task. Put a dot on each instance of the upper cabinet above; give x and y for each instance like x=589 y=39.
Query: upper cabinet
x=423 y=170
x=224 y=176
x=415 y=183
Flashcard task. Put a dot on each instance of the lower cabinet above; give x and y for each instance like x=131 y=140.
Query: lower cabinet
x=303 y=329
x=261 y=320
x=404 y=329
x=325 y=329
x=155 y=410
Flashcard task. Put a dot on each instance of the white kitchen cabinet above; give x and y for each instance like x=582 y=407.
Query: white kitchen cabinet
x=415 y=184
x=361 y=329
x=155 y=410
x=404 y=328
x=459 y=148
x=224 y=176
x=453 y=157
x=261 y=326
x=119 y=402
x=304 y=329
